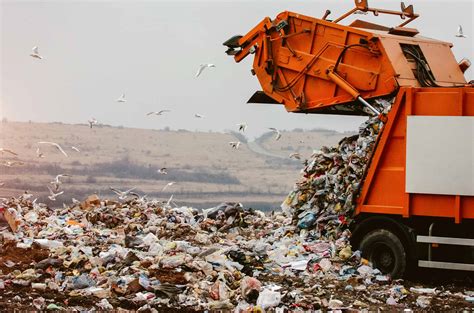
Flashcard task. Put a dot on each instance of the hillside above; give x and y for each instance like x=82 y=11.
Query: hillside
x=205 y=168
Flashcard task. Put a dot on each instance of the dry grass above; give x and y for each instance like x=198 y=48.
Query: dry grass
x=262 y=179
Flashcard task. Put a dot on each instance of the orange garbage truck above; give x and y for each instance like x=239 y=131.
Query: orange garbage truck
x=415 y=206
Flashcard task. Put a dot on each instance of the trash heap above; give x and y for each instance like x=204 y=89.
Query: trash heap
x=324 y=199
x=148 y=255
x=144 y=254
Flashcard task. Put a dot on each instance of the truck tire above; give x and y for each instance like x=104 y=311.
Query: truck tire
x=385 y=251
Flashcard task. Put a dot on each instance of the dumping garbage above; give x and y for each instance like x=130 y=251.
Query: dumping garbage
x=324 y=199
x=145 y=254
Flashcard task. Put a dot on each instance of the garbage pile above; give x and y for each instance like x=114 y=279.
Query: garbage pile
x=324 y=199
x=144 y=254
x=148 y=255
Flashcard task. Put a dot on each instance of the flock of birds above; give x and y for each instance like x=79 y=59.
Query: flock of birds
x=54 y=185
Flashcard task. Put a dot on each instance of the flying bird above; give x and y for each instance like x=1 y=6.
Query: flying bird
x=202 y=67
x=460 y=32
x=39 y=154
x=56 y=183
x=278 y=134
x=75 y=149
x=235 y=144
x=169 y=200
x=157 y=113
x=122 y=194
x=54 y=144
x=92 y=122
x=122 y=98
x=168 y=185
x=3 y=150
x=295 y=155
x=163 y=171
x=35 y=53
x=242 y=127
x=138 y=197
x=361 y=12
x=2 y=184
x=52 y=195
x=198 y=115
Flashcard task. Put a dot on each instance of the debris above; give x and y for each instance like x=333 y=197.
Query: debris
x=39 y=303
x=250 y=288
x=423 y=301
x=331 y=179
x=428 y=291
x=53 y=306
x=335 y=304
x=268 y=298
x=105 y=305
x=146 y=254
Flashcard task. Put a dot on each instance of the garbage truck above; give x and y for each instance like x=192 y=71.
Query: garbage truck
x=415 y=205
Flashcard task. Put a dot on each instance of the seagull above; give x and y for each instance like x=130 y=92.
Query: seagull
x=460 y=33
x=235 y=144
x=301 y=141
x=39 y=154
x=168 y=185
x=163 y=171
x=75 y=201
x=2 y=150
x=295 y=155
x=202 y=67
x=361 y=12
x=122 y=98
x=2 y=184
x=75 y=149
x=157 y=113
x=56 y=182
x=169 y=200
x=26 y=195
x=122 y=194
x=35 y=53
x=242 y=126
x=92 y=122
x=278 y=134
x=198 y=115
x=53 y=195
x=54 y=144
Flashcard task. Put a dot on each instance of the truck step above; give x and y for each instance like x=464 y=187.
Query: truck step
x=445 y=240
x=446 y=265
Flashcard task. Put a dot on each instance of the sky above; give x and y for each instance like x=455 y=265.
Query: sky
x=150 y=50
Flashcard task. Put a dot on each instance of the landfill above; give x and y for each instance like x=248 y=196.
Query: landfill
x=144 y=254
x=324 y=198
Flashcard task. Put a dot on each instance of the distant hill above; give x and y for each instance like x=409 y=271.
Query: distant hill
x=205 y=168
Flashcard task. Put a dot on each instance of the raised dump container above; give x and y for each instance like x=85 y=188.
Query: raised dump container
x=416 y=205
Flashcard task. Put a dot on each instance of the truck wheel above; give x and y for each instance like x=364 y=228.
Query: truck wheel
x=386 y=252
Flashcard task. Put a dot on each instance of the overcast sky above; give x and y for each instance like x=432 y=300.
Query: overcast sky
x=96 y=50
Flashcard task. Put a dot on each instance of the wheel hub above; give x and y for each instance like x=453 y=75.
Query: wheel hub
x=383 y=258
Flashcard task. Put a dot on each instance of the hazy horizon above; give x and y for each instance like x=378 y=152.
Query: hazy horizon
x=95 y=51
